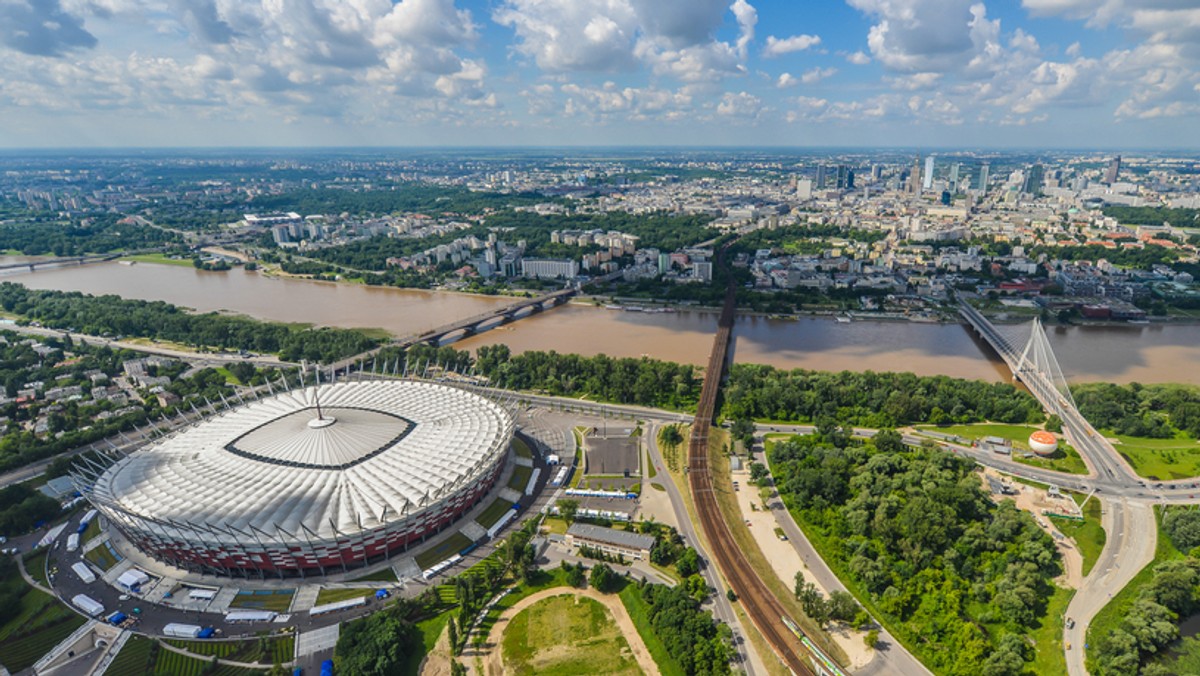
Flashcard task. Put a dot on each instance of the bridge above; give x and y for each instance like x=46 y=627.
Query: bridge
x=1035 y=366
x=468 y=326
x=55 y=262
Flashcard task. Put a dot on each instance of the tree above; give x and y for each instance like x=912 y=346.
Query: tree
x=842 y=606
x=688 y=563
x=1183 y=526
x=453 y=637
x=743 y=430
x=567 y=509
x=669 y=436
x=375 y=645
x=731 y=595
x=1054 y=423
x=872 y=638
x=602 y=578
x=811 y=600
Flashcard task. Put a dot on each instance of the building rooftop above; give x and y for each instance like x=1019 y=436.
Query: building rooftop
x=614 y=537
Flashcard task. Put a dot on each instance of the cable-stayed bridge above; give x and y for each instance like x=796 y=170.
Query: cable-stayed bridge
x=1034 y=364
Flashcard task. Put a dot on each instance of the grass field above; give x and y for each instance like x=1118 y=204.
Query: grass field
x=1065 y=459
x=519 y=478
x=1161 y=459
x=134 y=658
x=92 y=530
x=158 y=258
x=493 y=512
x=341 y=594
x=103 y=556
x=381 y=575
x=1047 y=638
x=443 y=550
x=650 y=471
x=263 y=650
x=431 y=630
x=278 y=600
x=521 y=449
x=1088 y=534
x=35 y=626
x=1110 y=616
x=182 y=665
x=36 y=567
x=566 y=635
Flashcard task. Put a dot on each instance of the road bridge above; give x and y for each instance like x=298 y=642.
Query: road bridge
x=58 y=262
x=1036 y=367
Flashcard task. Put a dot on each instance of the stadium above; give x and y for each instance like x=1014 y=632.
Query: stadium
x=308 y=482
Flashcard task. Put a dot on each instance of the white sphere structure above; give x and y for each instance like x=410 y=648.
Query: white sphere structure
x=1043 y=442
x=309 y=481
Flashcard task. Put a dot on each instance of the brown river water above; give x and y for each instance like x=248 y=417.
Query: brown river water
x=1144 y=353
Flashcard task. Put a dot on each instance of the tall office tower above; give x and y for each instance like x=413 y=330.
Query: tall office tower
x=845 y=177
x=1033 y=180
x=914 y=176
x=876 y=172
x=983 y=177
x=1114 y=168
x=849 y=179
x=820 y=182
x=927 y=183
x=954 y=169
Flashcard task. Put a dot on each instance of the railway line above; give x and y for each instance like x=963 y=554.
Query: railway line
x=760 y=604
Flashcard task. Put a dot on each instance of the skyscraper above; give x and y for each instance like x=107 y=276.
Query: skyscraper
x=927 y=183
x=983 y=177
x=954 y=169
x=1033 y=180
x=820 y=182
x=914 y=177
x=1114 y=168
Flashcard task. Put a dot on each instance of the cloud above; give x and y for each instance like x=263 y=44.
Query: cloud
x=42 y=28
x=787 y=80
x=797 y=43
x=204 y=19
x=674 y=38
x=915 y=82
x=741 y=105
x=858 y=58
x=815 y=75
x=919 y=35
x=632 y=103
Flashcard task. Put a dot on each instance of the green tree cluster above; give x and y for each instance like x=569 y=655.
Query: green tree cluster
x=98 y=233
x=692 y=638
x=1152 y=622
x=114 y=316
x=22 y=507
x=962 y=580
x=1156 y=411
x=376 y=645
x=871 y=399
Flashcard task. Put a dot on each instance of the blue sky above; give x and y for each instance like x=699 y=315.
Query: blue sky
x=934 y=73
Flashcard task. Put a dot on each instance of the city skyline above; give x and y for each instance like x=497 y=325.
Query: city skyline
x=426 y=73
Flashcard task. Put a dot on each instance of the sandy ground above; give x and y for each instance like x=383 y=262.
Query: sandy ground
x=437 y=662
x=1035 y=501
x=490 y=654
x=786 y=562
x=656 y=503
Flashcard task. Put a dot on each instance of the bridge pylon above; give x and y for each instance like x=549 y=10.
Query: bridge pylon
x=1038 y=357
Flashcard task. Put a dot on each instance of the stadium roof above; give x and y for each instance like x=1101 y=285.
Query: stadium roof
x=378 y=451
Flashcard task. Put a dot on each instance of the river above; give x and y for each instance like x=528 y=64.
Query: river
x=1143 y=353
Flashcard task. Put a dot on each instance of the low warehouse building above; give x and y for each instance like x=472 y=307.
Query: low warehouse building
x=609 y=541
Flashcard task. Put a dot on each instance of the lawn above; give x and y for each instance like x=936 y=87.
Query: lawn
x=181 y=665
x=277 y=600
x=431 y=630
x=381 y=575
x=566 y=635
x=134 y=658
x=1047 y=638
x=1065 y=459
x=103 y=556
x=521 y=449
x=493 y=512
x=160 y=259
x=1161 y=459
x=520 y=477
x=443 y=550
x=264 y=649
x=1088 y=534
x=650 y=471
x=1110 y=616
x=92 y=530
x=555 y=524
x=38 y=624
x=35 y=565
x=333 y=595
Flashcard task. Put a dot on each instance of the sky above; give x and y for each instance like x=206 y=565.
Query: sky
x=894 y=73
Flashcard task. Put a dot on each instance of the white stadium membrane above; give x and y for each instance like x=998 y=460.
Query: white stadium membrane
x=331 y=476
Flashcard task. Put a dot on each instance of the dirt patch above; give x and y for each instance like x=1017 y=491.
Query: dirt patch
x=493 y=663
x=1035 y=501
x=437 y=662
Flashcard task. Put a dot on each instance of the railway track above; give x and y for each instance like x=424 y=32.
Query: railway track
x=760 y=604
